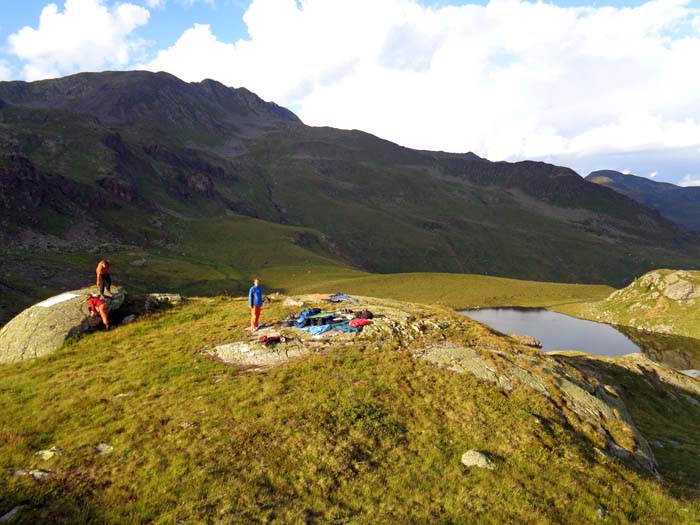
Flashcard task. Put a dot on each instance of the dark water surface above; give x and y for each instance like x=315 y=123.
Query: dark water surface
x=562 y=332
x=557 y=331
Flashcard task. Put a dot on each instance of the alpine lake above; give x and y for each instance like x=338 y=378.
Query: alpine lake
x=559 y=332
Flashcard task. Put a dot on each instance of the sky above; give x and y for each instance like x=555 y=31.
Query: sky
x=586 y=84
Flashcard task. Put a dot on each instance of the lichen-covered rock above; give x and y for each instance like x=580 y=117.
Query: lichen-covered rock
x=157 y=301
x=257 y=354
x=43 y=328
x=474 y=458
x=527 y=340
x=680 y=291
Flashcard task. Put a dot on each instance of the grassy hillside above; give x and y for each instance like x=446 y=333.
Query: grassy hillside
x=357 y=431
x=455 y=291
x=142 y=159
x=222 y=256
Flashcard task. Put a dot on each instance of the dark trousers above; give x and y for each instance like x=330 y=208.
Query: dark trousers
x=105 y=281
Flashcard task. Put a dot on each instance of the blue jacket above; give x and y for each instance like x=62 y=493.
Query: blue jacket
x=255 y=296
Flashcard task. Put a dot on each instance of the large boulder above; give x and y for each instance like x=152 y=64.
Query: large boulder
x=43 y=328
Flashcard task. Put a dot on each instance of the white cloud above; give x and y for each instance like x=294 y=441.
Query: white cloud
x=508 y=80
x=190 y=3
x=5 y=71
x=160 y=4
x=86 y=35
x=689 y=180
x=653 y=174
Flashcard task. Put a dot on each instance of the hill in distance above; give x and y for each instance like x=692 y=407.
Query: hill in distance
x=676 y=203
x=196 y=187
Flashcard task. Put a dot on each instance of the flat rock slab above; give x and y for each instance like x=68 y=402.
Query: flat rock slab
x=43 y=328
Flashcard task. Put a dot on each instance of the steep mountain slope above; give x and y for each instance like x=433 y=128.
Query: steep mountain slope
x=150 y=164
x=677 y=204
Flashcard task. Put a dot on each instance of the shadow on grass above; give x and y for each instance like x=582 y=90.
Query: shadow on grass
x=681 y=353
x=666 y=414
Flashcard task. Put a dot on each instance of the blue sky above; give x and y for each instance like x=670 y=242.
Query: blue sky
x=590 y=85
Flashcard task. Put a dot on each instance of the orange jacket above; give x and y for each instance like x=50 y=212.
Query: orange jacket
x=102 y=268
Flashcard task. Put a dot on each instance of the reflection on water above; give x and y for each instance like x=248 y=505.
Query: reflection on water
x=562 y=332
x=556 y=331
x=681 y=353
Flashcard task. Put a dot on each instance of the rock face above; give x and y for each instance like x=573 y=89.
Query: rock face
x=44 y=327
x=586 y=401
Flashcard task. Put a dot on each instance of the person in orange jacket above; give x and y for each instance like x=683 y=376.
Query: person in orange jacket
x=98 y=305
x=103 y=277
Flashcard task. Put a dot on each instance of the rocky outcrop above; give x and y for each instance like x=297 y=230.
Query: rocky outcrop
x=662 y=301
x=585 y=401
x=44 y=327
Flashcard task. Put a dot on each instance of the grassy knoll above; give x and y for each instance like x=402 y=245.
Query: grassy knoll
x=662 y=301
x=457 y=290
x=358 y=433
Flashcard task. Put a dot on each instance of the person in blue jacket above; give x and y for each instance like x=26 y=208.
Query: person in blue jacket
x=255 y=301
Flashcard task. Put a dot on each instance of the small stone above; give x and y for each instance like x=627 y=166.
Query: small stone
x=139 y=262
x=611 y=390
x=36 y=473
x=527 y=340
x=156 y=301
x=602 y=512
x=50 y=453
x=129 y=319
x=103 y=449
x=474 y=458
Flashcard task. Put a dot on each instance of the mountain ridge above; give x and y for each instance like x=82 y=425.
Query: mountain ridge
x=145 y=161
x=678 y=204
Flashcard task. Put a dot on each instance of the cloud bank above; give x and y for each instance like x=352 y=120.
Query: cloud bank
x=508 y=80
x=86 y=35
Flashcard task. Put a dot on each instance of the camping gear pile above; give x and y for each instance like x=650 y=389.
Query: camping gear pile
x=316 y=321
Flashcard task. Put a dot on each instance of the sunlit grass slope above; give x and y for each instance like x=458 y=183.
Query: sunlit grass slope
x=453 y=290
x=354 y=434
